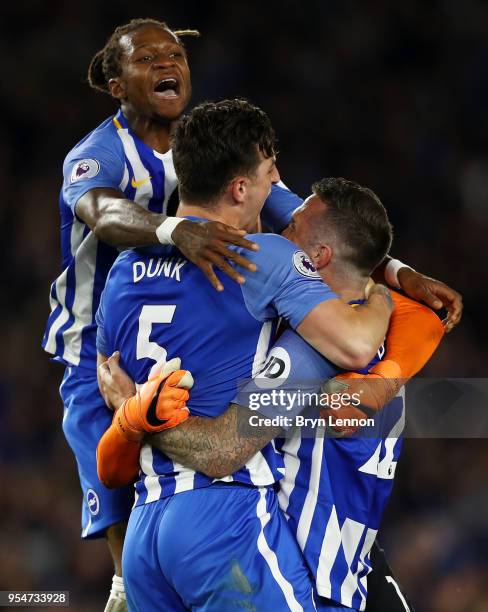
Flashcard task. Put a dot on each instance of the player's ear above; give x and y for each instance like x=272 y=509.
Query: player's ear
x=238 y=187
x=117 y=88
x=321 y=256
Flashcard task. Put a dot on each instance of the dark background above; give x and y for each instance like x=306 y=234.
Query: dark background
x=391 y=94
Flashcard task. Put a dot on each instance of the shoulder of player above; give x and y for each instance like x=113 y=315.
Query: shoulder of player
x=271 y=247
x=268 y=238
x=277 y=253
x=102 y=140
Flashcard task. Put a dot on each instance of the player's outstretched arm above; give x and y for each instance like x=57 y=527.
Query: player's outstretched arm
x=349 y=337
x=120 y=222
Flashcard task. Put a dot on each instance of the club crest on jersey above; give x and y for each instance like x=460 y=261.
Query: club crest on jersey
x=93 y=502
x=303 y=265
x=84 y=169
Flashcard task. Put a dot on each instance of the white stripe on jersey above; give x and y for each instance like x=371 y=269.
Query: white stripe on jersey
x=351 y=533
x=125 y=179
x=270 y=556
x=184 y=481
x=144 y=191
x=365 y=552
x=259 y=471
x=82 y=309
x=76 y=237
x=63 y=316
x=310 y=502
x=224 y=479
x=262 y=347
x=328 y=553
x=170 y=178
x=292 y=465
x=151 y=481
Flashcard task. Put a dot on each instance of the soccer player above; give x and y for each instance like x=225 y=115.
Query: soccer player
x=333 y=491
x=157 y=304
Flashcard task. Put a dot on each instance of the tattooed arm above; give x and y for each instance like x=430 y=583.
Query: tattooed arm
x=216 y=447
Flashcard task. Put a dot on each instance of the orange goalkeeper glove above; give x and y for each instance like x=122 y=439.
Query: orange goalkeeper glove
x=159 y=404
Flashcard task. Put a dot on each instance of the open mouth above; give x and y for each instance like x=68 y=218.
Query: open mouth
x=167 y=88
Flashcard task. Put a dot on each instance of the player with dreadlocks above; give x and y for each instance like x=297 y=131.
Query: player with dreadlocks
x=119 y=183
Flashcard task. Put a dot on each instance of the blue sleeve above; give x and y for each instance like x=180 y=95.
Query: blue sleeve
x=285 y=283
x=293 y=372
x=102 y=342
x=279 y=207
x=90 y=166
x=302 y=361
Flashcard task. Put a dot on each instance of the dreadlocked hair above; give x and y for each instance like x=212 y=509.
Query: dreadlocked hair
x=105 y=64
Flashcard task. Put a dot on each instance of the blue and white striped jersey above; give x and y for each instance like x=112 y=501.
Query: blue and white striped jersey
x=111 y=156
x=157 y=305
x=335 y=490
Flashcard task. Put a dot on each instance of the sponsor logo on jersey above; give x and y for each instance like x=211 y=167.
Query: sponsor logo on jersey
x=303 y=265
x=85 y=169
x=275 y=370
x=93 y=502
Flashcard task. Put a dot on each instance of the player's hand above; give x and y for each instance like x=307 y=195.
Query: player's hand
x=159 y=404
x=360 y=395
x=115 y=385
x=205 y=244
x=434 y=293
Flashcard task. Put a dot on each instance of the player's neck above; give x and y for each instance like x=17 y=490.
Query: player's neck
x=348 y=285
x=225 y=214
x=154 y=134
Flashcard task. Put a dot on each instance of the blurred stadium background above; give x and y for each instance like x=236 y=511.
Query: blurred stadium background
x=392 y=94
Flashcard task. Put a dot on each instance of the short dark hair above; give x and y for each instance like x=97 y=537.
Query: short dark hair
x=216 y=142
x=359 y=219
x=105 y=64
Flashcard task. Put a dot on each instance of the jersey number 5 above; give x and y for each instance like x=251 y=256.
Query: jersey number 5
x=146 y=349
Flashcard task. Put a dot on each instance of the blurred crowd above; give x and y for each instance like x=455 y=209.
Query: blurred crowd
x=391 y=94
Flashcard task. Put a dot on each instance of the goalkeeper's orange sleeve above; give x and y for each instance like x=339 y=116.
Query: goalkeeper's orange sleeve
x=117 y=459
x=414 y=334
